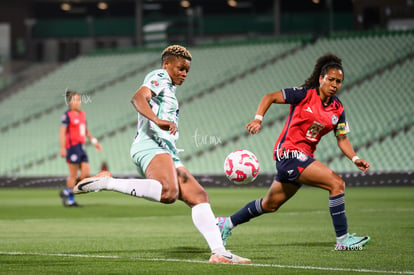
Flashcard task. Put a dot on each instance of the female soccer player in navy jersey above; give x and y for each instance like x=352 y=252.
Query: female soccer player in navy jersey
x=314 y=112
x=154 y=152
x=72 y=135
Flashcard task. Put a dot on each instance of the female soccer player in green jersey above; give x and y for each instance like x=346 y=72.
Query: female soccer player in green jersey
x=155 y=154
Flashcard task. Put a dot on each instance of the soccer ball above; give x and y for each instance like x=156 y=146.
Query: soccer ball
x=241 y=167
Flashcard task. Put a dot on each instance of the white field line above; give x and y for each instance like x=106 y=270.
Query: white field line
x=363 y=270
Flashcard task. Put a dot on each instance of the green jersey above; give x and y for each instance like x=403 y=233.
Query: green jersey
x=164 y=104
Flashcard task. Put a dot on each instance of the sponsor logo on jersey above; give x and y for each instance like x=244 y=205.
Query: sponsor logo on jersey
x=154 y=83
x=314 y=130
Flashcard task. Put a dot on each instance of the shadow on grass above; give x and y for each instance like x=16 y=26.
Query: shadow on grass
x=185 y=252
x=329 y=244
x=181 y=252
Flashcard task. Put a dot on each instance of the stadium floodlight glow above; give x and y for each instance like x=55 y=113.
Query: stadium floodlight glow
x=185 y=3
x=66 y=6
x=232 y=3
x=102 y=5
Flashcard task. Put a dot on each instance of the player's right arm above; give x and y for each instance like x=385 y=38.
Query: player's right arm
x=62 y=140
x=253 y=127
x=140 y=101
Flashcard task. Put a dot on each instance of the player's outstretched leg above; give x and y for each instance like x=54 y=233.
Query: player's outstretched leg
x=93 y=184
x=351 y=242
x=223 y=224
x=149 y=189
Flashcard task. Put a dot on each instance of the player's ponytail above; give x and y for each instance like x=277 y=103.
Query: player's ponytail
x=322 y=66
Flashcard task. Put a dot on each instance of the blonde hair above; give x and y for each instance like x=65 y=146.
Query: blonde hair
x=176 y=51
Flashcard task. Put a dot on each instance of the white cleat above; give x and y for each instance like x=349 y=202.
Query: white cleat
x=93 y=184
x=228 y=258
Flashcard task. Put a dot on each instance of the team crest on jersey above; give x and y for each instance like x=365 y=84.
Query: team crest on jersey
x=154 y=83
x=334 y=119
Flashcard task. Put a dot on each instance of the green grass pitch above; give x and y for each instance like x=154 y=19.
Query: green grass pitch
x=116 y=234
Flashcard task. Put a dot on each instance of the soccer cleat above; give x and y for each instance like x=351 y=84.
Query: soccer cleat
x=93 y=184
x=225 y=230
x=65 y=197
x=228 y=258
x=352 y=242
x=74 y=204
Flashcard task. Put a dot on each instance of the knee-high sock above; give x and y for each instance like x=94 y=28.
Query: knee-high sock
x=337 y=210
x=205 y=221
x=144 y=188
x=251 y=210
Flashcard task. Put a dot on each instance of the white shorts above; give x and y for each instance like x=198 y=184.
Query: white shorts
x=142 y=152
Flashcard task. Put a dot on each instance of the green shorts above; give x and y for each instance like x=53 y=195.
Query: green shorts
x=142 y=152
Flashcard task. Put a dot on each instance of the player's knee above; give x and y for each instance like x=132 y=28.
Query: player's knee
x=270 y=206
x=338 y=186
x=169 y=194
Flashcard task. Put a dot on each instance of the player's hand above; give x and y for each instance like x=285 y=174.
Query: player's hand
x=362 y=165
x=98 y=147
x=253 y=127
x=167 y=126
x=63 y=152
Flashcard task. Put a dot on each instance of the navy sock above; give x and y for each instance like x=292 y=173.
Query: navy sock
x=337 y=209
x=251 y=210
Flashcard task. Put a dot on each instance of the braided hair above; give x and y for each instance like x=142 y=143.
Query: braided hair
x=322 y=66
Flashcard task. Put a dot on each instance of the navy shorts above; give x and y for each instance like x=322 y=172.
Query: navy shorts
x=76 y=154
x=290 y=165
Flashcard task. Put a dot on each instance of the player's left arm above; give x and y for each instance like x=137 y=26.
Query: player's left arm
x=346 y=147
x=93 y=140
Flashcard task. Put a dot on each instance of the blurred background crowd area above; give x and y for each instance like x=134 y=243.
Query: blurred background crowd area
x=242 y=49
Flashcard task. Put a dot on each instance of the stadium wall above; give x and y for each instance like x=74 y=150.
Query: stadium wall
x=377 y=179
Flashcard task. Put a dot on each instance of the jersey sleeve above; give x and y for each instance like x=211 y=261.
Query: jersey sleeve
x=156 y=81
x=294 y=95
x=341 y=127
x=64 y=121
